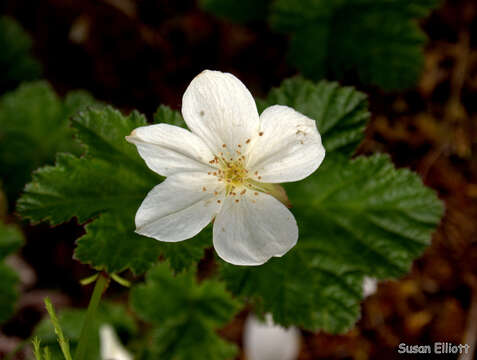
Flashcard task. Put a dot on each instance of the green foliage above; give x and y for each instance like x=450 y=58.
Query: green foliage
x=16 y=61
x=109 y=182
x=356 y=217
x=378 y=217
x=237 y=11
x=33 y=128
x=380 y=41
x=164 y=114
x=341 y=113
x=71 y=323
x=185 y=315
x=9 y=293
x=11 y=239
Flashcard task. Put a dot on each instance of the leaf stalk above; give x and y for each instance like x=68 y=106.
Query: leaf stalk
x=99 y=288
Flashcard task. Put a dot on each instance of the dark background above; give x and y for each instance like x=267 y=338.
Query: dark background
x=139 y=54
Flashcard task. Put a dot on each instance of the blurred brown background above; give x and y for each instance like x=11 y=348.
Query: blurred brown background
x=139 y=54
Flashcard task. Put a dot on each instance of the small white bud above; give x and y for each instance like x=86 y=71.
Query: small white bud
x=267 y=341
x=111 y=348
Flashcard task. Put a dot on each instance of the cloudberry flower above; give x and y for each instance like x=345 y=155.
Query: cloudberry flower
x=227 y=168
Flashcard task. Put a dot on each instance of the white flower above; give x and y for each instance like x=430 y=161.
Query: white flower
x=227 y=167
x=111 y=348
x=267 y=341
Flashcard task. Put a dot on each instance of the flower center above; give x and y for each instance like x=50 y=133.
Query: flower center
x=238 y=180
x=234 y=174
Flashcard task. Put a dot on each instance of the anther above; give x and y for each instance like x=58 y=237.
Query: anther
x=260 y=133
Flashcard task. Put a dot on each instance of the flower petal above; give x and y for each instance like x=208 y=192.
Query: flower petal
x=169 y=149
x=252 y=230
x=218 y=107
x=289 y=148
x=180 y=207
x=268 y=341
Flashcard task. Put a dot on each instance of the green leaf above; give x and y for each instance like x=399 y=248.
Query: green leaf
x=107 y=184
x=102 y=132
x=356 y=217
x=111 y=244
x=182 y=255
x=33 y=128
x=82 y=188
x=164 y=114
x=71 y=322
x=378 y=217
x=11 y=239
x=340 y=112
x=16 y=61
x=380 y=41
x=183 y=340
x=301 y=289
x=237 y=11
x=110 y=180
x=9 y=294
x=185 y=314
